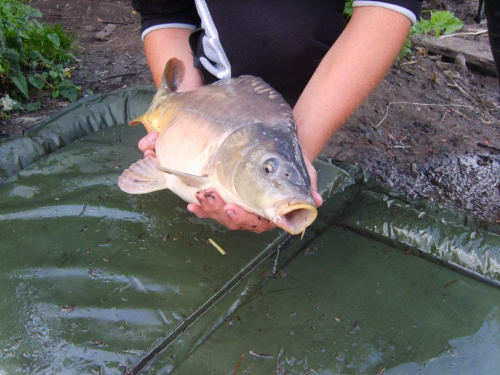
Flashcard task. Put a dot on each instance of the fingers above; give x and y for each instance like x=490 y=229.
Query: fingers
x=149 y=153
x=244 y=220
x=317 y=198
x=234 y=217
x=314 y=183
x=230 y=215
x=147 y=144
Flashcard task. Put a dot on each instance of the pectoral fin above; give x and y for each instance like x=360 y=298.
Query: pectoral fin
x=190 y=179
x=147 y=175
x=144 y=176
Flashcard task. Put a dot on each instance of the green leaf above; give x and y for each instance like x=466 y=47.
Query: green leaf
x=69 y=90
x=55 y=94
x=2 y=39
x=33 y=12
x=4 y=67
x=37 y=56
x=54 y=38
x=31 y=106
x=20 y=83
x=53 y=74
x=36 y=80
x=11 y=55
x=439 y=22
x=405 y=50
x=348 y=9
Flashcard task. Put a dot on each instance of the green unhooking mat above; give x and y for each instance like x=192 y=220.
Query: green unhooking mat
x=96 y=281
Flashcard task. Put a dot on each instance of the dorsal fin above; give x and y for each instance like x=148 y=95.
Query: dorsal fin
x=173 y=74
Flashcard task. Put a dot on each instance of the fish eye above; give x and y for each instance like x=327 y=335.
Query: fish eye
x=271 y=165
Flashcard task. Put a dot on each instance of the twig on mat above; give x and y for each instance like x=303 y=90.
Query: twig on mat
x=260 y=355
x=238 y=365
x=219 y=249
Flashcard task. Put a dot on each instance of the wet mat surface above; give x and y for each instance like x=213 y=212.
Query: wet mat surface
x=98 y=281
x=349 y=305
x=93 y=276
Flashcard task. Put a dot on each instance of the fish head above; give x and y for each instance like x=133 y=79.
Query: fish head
x=262 y=169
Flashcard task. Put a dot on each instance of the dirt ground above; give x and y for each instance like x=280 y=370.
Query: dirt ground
x=431 y=129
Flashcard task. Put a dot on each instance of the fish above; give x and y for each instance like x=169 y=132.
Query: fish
x=237 y=136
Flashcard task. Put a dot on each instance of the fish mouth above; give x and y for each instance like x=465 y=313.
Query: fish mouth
x=295 y=217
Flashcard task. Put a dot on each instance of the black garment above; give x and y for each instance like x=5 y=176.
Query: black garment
x=492 y=12
x=281 y=41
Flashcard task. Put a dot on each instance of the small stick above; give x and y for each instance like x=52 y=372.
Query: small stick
x=421 y=104
x=258 y=355
x=117 y=75
x=238 y=365
x=444 y=115
x=459 y=87
x=219 y=249
x=115 y=22
x=461 y=114
x=451 y=283
x=464 y=34
x=488 y=146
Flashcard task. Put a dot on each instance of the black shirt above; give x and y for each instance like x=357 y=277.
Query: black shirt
x=281 y=41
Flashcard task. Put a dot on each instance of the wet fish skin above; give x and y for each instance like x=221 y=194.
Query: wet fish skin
x=237 y=136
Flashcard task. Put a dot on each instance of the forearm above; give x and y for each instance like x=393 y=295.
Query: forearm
x=163 y=44
x=349 y=72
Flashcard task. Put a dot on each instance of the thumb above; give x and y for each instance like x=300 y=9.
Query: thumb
x=313 y=175
x=148 y=142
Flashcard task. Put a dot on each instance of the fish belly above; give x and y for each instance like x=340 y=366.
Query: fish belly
x=188 y=146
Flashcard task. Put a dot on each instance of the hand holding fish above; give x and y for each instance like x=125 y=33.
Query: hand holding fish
x=231 y=216
x=234 y=217
x=212 y=206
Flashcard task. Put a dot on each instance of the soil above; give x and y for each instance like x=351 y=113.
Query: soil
x=431 y=129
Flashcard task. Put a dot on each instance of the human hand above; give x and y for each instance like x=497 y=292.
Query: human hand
x=147 y=144
x=236 y=218
x=230 y=215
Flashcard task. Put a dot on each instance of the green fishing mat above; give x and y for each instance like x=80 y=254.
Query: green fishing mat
x=97 y=281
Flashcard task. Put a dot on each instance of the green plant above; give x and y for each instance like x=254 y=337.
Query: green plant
x=348 y=9
x=405 y=50
x=439 y=22
x=33 y=52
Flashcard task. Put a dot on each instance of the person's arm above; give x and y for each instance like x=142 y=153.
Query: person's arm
x=160 y=46
x=348 y=73
x=163 y=44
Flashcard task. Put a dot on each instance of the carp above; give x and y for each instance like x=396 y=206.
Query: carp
x=238 y=136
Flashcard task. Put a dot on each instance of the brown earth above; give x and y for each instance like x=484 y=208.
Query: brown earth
x=431 y=129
